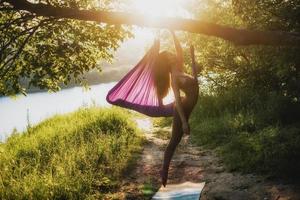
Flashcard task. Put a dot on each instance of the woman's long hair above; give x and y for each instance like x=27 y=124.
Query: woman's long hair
x=161 y=74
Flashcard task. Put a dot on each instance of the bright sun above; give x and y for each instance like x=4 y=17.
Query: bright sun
x=160 y=8
x=157 y=8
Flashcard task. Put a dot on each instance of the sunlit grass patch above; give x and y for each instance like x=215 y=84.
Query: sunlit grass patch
x=162 y=122
x=75 y=156
x=164 y=134
x=148 y=189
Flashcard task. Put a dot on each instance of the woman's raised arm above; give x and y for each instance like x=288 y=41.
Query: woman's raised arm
x=179 y=51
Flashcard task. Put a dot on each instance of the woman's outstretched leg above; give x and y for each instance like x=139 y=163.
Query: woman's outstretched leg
x=188 y=105
x=174 y=141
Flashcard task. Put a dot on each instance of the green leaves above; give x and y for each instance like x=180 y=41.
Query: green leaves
x=47 y=52
x=265 y=69
x=250 y=110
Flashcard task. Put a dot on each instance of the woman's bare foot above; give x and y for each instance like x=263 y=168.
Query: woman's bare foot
x=164 y=177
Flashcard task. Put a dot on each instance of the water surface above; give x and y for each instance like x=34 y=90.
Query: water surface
x=35 y=107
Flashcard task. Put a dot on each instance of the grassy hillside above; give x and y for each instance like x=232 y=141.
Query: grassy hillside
x=81 y=155
x=251 y=132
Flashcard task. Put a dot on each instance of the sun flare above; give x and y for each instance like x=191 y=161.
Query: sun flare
x=160 y=8
x=156 y=9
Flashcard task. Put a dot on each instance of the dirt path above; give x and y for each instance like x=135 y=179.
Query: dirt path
x=195 y=164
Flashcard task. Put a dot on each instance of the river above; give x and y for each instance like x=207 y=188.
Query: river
x=35 y=107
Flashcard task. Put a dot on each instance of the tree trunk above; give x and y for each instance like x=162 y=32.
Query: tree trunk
x=237 y=36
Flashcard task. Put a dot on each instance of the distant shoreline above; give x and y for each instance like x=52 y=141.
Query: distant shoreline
x=37 y=90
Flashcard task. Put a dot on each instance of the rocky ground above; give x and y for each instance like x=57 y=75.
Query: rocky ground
x=196 y=164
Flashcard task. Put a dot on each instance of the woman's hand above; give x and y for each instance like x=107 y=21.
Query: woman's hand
x=186 y=128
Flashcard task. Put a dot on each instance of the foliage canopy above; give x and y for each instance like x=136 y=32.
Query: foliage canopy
x=48 y=51
x=250 y=103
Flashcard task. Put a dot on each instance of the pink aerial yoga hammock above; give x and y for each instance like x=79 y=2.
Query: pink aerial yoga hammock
x=137 y=91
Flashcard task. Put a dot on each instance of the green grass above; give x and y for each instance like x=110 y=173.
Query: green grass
x=162 y=122
x=82 y=155
x=149 y=189
x=251 y=132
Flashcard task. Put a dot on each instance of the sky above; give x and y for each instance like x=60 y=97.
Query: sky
x=128 y=54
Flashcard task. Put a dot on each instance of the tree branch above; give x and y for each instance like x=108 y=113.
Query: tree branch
x=237 y=36
x=13 y=39
x=13 y=58
x=17 y=21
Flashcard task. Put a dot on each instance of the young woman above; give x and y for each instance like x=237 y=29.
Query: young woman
x=168 y=72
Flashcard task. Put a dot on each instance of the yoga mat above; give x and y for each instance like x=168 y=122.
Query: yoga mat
x=184 y=191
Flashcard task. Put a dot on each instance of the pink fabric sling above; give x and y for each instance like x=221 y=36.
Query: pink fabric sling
x=136 y=90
